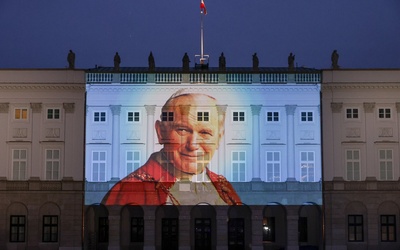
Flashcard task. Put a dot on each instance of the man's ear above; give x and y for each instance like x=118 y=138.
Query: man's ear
x=159 y=131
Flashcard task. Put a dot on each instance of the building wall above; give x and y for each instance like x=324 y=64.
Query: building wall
x=42 y=145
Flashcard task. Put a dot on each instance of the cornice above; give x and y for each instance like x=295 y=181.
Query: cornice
x=328 y=86
x=30 y=86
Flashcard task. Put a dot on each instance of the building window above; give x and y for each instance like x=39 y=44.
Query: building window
x=52 y=164
x=19 y=164
x=238 y=116
x=169 y=234
x=20 y=114
x=137 y=229
x=238 y=166
x=99 y=166
x=17 y=228
x=50 y=228
x=132 y=161
x=133 y=116
x=103 y=229
x=306 y=116
x=388 y=228
x=355 y=228
x=99 y=116
x=273 y=166
x=202 y=233
x=303 y=229
x=236 y=233
x=386 y=164
x=53 y=114
x=353 y=165
x=272 y=116
x=167 y=116
x=384 y=113
x=307 y=164
x=352 y=113
x=203 y=160
x=269 y=229
x=203 y=116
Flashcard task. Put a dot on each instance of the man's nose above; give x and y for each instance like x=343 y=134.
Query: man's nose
x=192 y=142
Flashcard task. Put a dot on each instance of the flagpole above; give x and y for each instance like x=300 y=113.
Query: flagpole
x=201 y=39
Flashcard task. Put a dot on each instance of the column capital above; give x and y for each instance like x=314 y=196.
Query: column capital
x=115 y=109
x=4 y=107
x=36 y=107
x=369 y=107
x=69 y=107
x=398 y=107
x=336 y=107
x=255 y=109
x=290 y=109
x=150 y=109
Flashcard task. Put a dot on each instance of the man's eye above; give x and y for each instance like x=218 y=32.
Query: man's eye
x=181 y=131
x=206 y=133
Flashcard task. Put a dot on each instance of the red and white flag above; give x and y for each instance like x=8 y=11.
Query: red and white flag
x=203 y=9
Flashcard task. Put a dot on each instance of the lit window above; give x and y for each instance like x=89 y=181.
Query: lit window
x=238 y=116
x=53 y=114
x=355 y=228
x=384 y=113
x=269 y=229
x=17 y=228
x=132 y=161
x=203 y=116
x=99 y=166
x=386 y=164
x=19 y=164
x=352 y=113
x=307 y=165
x=52 y=164
x=167 y=116
x=272 y=116
x=238 y=166
x=133 y=116
x=273 y=166
x=353 y=165
x=99 y=116
x=21 y=114
x=50 y=228
x=307 y=116
x=388 y=228
x=137 y=229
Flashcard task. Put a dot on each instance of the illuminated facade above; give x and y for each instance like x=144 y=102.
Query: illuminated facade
x=361 y=158
x=41 y=167
x=270 y=153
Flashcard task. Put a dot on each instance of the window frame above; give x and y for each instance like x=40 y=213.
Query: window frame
x=307 y=113
x=269 y=225
x=53 y=237
x=137 y=230
x=239 y=172
x=100 y=161
x=307 y=162
x=238 y=116
x=350 y=115
x=273 y=112
x=52 y=161
x=354 y=228
x=352 y=162
x=53 y=114
x=273 y=162
x=386 y=226
x=134 y=112
x=385 y=114
x=100 y=118
x=19 y=225
x=103 y=229
x=21 y=115
x=167 y=116
x=134 y=162
x=386 y=162
x=203 y=116
x=19 y=161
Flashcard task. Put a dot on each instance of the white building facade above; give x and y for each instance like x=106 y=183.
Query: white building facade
x=361 y=158
x=42 y=157
x=271 y=153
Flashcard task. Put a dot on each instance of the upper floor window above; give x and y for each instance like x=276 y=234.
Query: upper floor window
x=384 y=113
x=99 y=166
x=203 y=116
x=306 y=116
x=20 y=114
x=273 y=166
x=99 y=116
x=132 y=161
x=53 y=114
x=388 y=228
x=19 y=164
x=238 y=116
x=133 y=116
x=307 y=165
x=52 y=164
x=272 y=116
x=352 y=113
x=353 y=164
x=50 y=228
x=17 y=228
x=238 y=166
x=355 y=228
x=167 y=116
x=386 y=164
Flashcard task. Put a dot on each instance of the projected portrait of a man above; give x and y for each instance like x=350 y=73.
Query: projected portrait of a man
x=190 y=131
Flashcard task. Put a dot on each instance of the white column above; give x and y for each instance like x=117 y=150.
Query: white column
x=369 y=108
x=116 y=111
x=35 y=140
x=69 y=139
x=255 y=111
x=290 y=109
x=150 y=110
x=221 y=168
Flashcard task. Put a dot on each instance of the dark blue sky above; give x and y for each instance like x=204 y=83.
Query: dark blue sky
x=39 y=33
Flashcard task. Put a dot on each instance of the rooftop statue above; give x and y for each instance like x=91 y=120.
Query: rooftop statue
x=71 y=59
x=255 y=62
x=335 y=59
x=222 y=62
x=152 y=64
x=185 y=63
x=117 y=61
x=291 y=58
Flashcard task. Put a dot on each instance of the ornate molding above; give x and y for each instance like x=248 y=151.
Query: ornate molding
x=29 y=86
x=150 y=109
x=69 y=107
x=255 y=109
x=115 y=109
x=336 y=107
x=369 y=107
x=221 y=109
x=290 y=109
x=4 y=106
x=36 y=107
x=329 y=86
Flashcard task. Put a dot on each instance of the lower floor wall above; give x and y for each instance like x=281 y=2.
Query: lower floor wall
x=203 y=226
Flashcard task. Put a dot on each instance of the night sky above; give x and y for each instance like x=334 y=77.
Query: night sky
x=39 y=33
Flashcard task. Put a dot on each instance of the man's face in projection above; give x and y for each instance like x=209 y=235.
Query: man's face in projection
x=192 y=137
